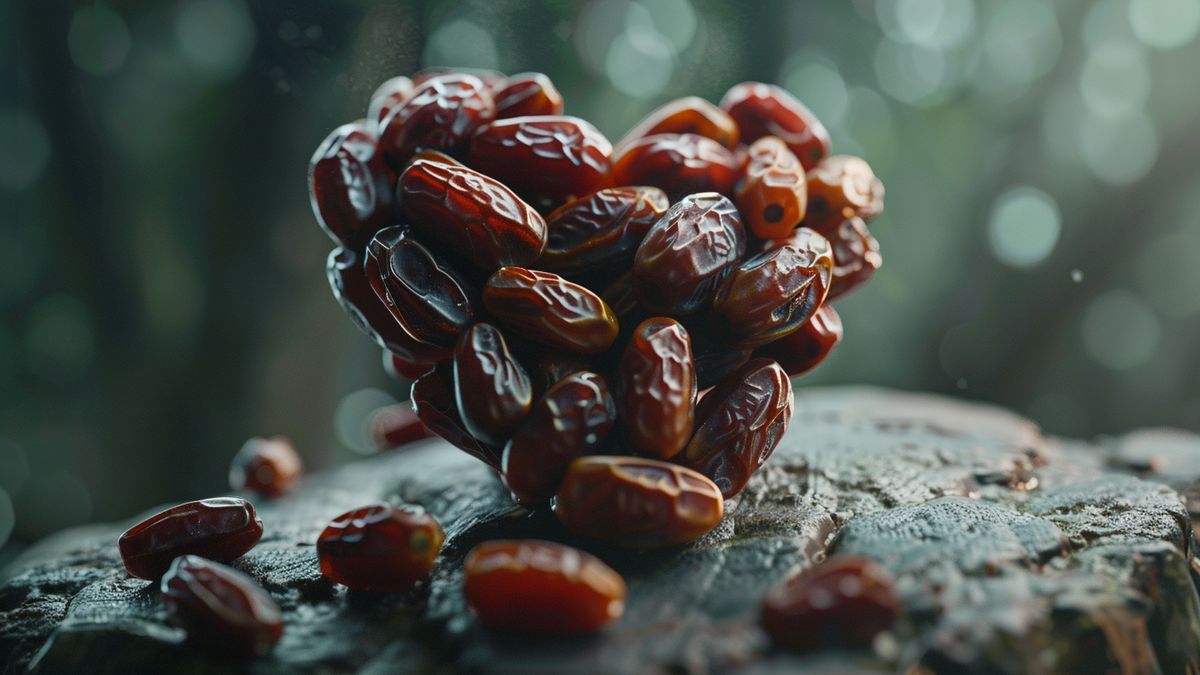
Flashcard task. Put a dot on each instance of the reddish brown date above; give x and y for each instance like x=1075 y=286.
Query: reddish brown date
x=546 y=308
x=547 y=367
x=657 y=388
x=492 y=389
x=429 y=300
x=688 y=115
x=434 y=402
x=775 y=292
x=348 y=280
x=401 y=368
x=773 y=194
x=379 y=548
x=397 y=425
x=221 y=606
x=350 y=186
x=740 y=423
x=387 y=97
x=767 y=110
x=527 y=94
x=840 y=188
x=465 y=211
x=637 y=503
x=544 y=158
x=222 y=529
x=844 y=602
x=715 y=362
x=856 y=257
x=531 y=586
x=492 y=79
x=679 y=164
x=805 y=349
x=687 y=253
x=441 y=114
x=572 y=419
x=269 y=466
x=601 y=231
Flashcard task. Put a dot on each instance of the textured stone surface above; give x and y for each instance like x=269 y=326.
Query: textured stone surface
x=1013 y=553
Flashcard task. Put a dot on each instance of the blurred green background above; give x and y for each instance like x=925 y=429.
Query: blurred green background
x=161 y=275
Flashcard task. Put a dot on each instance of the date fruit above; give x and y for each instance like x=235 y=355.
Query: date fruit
x=767 y=110
x=739 y=424
x=773 y=193
x=527 y=94
x=856 y=257
x=540 y=587
x=381 y=548
x=463 y=210
x=544 y=158
x=387 y=97
x=434 y=401
x=688 y=115
x=637 y=503
x=221 y=529
x=844 y=602
x=804 y=349
x=221 y=606
x=397 y=425
x=401 y=368
x=678 y=164
x=572 y=419
x=492 y=389
x=441 y=114
x=840 y=188
x=601 y=231
x=269 y=466
x=492 y=79
x=546 y=308
x=350 y=186
x=657 y=388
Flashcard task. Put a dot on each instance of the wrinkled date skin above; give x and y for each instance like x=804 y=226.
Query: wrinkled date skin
x=773 y=194
x=492 y=389
x=840 y=188
x=740 y=423
x=775 y=292
x=637 y=503
x=544 y=158
x=429 y=300
x=601 y=231
x=380 y=548
x=856 y=257
x=350 y=186
x=546 y=308
x=572 y=419
x=687 y=253
x=540 y=587
x=465 y=211
x=678 y=164
x=441 y=114
x=268 y=466
x=688 y=115
x=388 y=97
x=348 y=281
x=805 y=349
x=434 y=402
x=222 y=529
x=844 y=602
x=767 y=110
x=527 y=94
x=221 y=606
x=657 y=388
x=397 y=425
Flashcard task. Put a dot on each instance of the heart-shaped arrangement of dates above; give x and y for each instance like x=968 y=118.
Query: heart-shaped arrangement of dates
x=611 y=329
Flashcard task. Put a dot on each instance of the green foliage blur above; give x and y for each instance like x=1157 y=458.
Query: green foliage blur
x=161 y=275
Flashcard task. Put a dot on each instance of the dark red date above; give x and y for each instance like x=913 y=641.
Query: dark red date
x=601 y=231
x=657 y=388
x=269 y=466
x=856 y=257
x=546 y=308
x=441 y=114
x=492 y=389
x=397 y=425
x=544 y=158
x=773 y=193
x=388 y=97
x=688 y=115
x=841 y=188
x=767 y=110
x=527 y=94
x=381 y=548
x=401 y=368
x=350 y=186
x=434 y=402
x=222 y=529
x=679 y=164
x=805 y=349
x=221 y=606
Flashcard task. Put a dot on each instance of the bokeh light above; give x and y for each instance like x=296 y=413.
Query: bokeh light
x=216 y=35
x=461 y=43
x=1165 y=24
x=1024 y=226
x=98 y=39
x=1168 y=272
x=352 y=419
x=1120 y=330
x=26 y=150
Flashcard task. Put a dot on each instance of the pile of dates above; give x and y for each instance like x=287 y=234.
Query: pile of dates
x=611 y=328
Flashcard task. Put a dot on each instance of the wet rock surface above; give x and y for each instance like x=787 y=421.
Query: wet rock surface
x=1013 y=553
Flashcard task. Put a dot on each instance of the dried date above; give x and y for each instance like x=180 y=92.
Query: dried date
x=381 y=548
x=856 y=257
x=767 y=110
x=678 y=164
x=546 y=308
x=222 y=529
x=492 y=389
x=600 y=231
x=527 y=94
x=221 y=606
x=403 y=369
x=805 y=349
x=387 y=97
x=433 y=400
x=773 y=193
x=544 y=158
x=269 y=466
x=441 y=114
x=657 y=388
x=840 y=188
x=397 y=425
x=688 y=115
x=350 y=186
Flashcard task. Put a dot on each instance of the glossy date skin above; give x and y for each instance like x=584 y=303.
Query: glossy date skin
x=221 y=529
x=527 y=94
x=773 y=193
x=400 y=368
x=775 y=292
x=856 y=257
x=467 y=212
x=221 y=606
x=379 y=548
x=657 y=388
x=739 y=424
x=387 y=97
x=804 y=349
x=600 y=231
x=492 y=389
x=767 y=110
x=844 y=602
x=840 y=188
x=546 y=308
x=687 y=115
x=433 y=400
x=441 y=114
x=544 y=158
x=350 y=186
x=397 y=425
x=540 y=587
x=268 y=466
x=678 y=164
x=571 y=420
x=637 y=503
x=687 y=253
